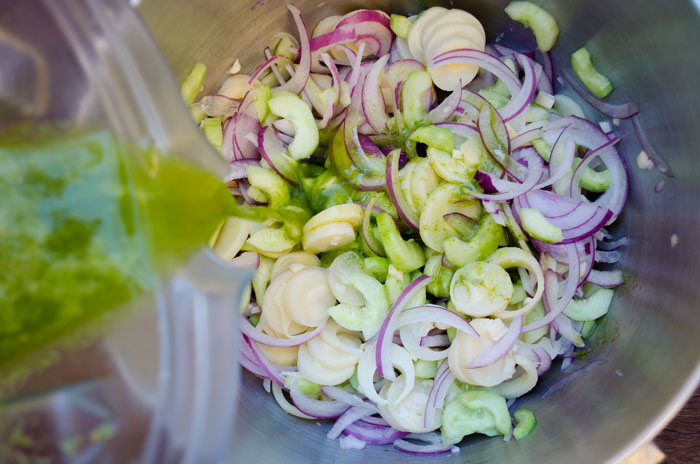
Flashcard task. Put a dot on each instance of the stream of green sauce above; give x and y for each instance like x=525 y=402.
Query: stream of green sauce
x=88 y=223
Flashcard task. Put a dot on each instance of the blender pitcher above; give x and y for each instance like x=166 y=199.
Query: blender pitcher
x=160 y=383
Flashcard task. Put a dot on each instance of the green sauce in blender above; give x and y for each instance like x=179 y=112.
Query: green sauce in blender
x=88 y=223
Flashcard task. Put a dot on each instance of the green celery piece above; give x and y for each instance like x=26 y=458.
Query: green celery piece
x=436 y=137
x=378 y=267
x=193 y=83
x=408 y=255
x=307 y=387
x=597 y=83
x=525 y=423
x=400 y=25
x=213 y=132
x=484 y=242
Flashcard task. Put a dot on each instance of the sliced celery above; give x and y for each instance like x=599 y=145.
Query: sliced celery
x=193 y=83
x=378 y=266
x=525 y=423
x=535 y=224
x=484 y=242
x=436 y=137
x=543 y=24
x=408 y=255
x=212 y=130
x=401 y=26
x=597 y=83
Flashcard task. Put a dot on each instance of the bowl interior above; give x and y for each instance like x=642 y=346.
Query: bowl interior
x=644 y=359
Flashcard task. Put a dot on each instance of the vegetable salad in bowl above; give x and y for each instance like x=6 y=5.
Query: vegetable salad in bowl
x=428 y=220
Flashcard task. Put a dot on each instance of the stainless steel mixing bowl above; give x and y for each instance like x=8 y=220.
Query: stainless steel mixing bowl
x=648 y=349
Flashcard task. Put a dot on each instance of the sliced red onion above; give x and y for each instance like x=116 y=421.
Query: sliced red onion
x=511 y=190
x=331 y=39
x=372 y=29
x=590 y=136
x=528 y=281
x=521 y=100
x=362 y=16
x=424 y=450
x=411 y=336
x=298 y=81
x=270 y=370
x=397 y=95
x=624 y=111
x=556 y=303
x=449 y=105
x=609 y=246
x=238 y=169
x=436 y=314
x=406 y=211
x=608 y=257
x=377 y=421
x=541 y=357
x=394 y=54
x=373 y=434
x=331 y=105
x=264 y=339
x=227 y=139
x=338 y=394
x=371 y=148
x=586 y=257
x=441 y=385
x=354 y=76
x=460 y=129
x=500 y=348
x=247 y=361
x=495 y=138
x=525 y=138
x=284 y=138
x=370 y=183
x=483 y=60
x=344 y=421
x=371 y=165
x=373 y=106
x=495 y=211
x=273 y=67
x=435 y=341
x=350 y=442
x=248 y=259
x=653 y=155
x=385 y=367
x=561 y=159
x=335 y=85
x=369 y=238
x=575 y=188
x=544 y=81
x=577 y=219
x=264 y=67
x=244 y=125
x=565 y=327
x=607 y=279
x=316 y=408
x=274 y=154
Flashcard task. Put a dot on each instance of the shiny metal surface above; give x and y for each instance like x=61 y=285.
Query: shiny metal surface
x=648 y=350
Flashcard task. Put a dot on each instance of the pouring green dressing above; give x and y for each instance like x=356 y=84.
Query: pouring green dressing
x=88 y=223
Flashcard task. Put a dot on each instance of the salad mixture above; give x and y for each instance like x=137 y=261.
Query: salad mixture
x=432 y=220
